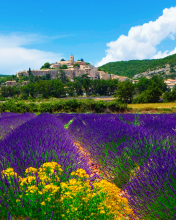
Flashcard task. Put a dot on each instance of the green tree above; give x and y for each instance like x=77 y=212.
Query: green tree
x=46 y=66
x=30 y=72
x=57 y=89
x=62 y=59
x=48 y=76
x=62 y=76
x=125 y=91
x=170 y=96
x=64 y=66
x=111 y=86
x=78 y=88
x=143 y=84
x=82 y=60
x=86 y=84
x=160 y=83
x=151 y=95
x=70 y=88
x=102 y=87
x=76 y=64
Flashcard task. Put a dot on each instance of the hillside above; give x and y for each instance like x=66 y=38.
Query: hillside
x=133 y=67
x=1 y=75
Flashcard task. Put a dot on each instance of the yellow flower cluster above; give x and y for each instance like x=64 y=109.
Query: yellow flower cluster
x=117 y=204
x=8 y=172
x=75 y=189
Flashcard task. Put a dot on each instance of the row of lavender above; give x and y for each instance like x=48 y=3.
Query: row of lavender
x=113 y=140
x=121 y=145
x=34 y=141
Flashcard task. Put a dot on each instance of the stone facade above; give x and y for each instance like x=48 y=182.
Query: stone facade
x=11 y=83
x=72 y=72
x=170 y=83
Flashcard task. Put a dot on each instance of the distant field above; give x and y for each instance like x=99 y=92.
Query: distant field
x=153 y=105
x=153 y=108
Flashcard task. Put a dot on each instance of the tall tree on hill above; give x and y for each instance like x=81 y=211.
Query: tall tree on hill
x=30 y=72
x=31 y=76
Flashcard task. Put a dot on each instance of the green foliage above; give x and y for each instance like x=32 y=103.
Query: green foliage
x=170 y=76
x=70 y=88
x=48 y=76
x=151 y=89
x=2 y=98
x=87 y=63
x=46 y=107
x=100 y=106
x=117 y=105
x=62 y=59
x=133 y=67
x=9 y=91
x=64 y=66
x=125 y=91
x=62 y=76
x=5 y=78
x=30 y=72
x=76 y=64
x=143 y=84
x=46 y=66
x=170 y=96
x=151 y=95
x=73 y=105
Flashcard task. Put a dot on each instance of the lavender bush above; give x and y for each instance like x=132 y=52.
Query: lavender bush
x=153 y=189
x=42 y=139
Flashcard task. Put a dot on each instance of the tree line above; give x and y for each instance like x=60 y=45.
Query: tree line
x=144 y=91
x=60 y=87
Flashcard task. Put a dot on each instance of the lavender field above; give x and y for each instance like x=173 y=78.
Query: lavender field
x=138 y=150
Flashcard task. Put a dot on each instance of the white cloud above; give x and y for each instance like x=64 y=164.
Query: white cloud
x=142 y=40
x=15 y=57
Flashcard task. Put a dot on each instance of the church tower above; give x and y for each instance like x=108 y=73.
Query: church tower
x=72 y=59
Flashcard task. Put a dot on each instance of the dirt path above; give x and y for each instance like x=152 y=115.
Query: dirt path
x=96 y=168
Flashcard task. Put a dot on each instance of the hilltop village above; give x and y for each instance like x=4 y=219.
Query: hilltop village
x=73 y=70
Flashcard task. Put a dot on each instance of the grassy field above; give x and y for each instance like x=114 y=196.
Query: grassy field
x=153 y=107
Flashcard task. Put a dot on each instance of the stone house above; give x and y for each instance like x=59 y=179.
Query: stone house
x=11 y=83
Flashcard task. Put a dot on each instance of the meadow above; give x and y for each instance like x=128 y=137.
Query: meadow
x=44 y=176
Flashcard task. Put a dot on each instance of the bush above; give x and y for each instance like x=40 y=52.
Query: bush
x=8 y=105
x=2 y=98
x=87 y=105
x=21 y=107
x=33 y=107
x=117 y=106
x=23 y=96
x=58 y=106
x=46 y=107
x=71 y=105
x=100 y=106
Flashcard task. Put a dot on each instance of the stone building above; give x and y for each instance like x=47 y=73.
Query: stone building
x=170 y=83
x=71 y=72
x=11 y=83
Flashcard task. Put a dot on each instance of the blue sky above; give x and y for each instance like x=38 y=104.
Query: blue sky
x=35 y=32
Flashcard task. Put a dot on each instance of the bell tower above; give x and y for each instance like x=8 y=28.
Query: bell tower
x=72 y=59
